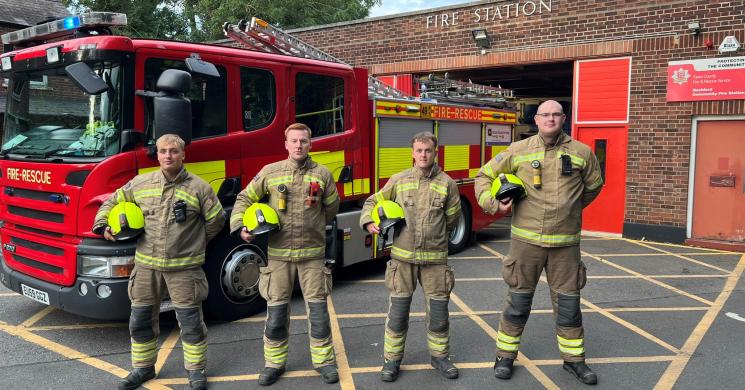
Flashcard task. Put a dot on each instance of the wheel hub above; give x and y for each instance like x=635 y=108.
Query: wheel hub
x=240 y=275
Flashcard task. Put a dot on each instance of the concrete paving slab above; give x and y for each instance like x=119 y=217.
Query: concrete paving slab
x=609 y=293
x=661 y=265
x=671 y=327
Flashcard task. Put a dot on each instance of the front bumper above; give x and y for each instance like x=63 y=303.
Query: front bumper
x=70 y=299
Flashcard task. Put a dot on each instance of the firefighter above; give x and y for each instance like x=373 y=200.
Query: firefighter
x=304 y=195
x=561 y=176
x=181 y=214
x=431 y=207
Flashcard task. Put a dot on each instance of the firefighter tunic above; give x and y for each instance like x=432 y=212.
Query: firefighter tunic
x=431 y=203
x=168 y=257
x=297 y=250
x=546 y=228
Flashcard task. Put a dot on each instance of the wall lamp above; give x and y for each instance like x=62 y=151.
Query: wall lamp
x=694 y=27
x=481 y=37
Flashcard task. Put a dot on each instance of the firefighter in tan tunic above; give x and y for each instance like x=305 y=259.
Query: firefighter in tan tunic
x=304 y=195
x=561 y=176
x=181 y=214
x=431 y=206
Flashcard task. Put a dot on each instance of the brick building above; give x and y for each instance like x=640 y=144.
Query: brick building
x=674 y=169
x=16 y=15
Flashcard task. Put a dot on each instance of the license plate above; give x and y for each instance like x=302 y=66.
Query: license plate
x=37 y=295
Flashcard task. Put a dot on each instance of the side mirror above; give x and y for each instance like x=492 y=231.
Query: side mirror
x=172 y=111
x=130 y=139
x=86 y=79
x=200 y=67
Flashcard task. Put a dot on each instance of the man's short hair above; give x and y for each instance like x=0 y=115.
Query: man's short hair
x=423 y=137
x=171 y=139
x=298 y=126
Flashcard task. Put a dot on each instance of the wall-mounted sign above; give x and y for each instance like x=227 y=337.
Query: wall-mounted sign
x=488 y=14
x=729 y=44
x=498 y=135
x=706 y=79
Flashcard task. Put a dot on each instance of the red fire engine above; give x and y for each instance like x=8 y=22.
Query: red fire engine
x=83 y=109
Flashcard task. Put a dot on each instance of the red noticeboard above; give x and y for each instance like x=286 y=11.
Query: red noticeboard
x=706 y=79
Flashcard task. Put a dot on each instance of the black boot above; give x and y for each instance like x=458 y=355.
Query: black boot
x=270 y=375
x=445 y=366
x=390 y=370
x=503 y=367
x=329 y=373
x=197 y=380
x=583 y=373
x=136 y=377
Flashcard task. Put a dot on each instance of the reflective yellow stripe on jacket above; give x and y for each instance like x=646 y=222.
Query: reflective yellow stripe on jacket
x=403 y=254
x=553 y=239
x=301 y=253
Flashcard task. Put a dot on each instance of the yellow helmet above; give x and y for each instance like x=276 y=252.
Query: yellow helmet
x=126 y=221
x=387 y=213
x=507 y=185
x=260 y=218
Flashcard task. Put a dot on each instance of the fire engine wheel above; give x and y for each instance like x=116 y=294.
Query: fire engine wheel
x=462 y=233
x=234 y=283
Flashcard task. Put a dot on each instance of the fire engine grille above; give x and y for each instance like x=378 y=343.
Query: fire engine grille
x=32 y=194
x=38 y=264
x=37 y=246
x=39 y=231
x=37 y=214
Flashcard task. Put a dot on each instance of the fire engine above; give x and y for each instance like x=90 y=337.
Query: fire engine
x=84 y=108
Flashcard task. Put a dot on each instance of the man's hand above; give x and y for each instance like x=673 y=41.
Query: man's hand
x=245 y=235
x=505 y=205
x=372 y=228
x=107 y=234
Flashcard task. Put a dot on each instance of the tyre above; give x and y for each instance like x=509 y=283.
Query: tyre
x=461 y=235
x=232 y=269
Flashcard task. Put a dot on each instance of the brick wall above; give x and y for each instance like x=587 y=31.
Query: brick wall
x=652 y=32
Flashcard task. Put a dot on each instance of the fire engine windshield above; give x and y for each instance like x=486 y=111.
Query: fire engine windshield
x=48 y=115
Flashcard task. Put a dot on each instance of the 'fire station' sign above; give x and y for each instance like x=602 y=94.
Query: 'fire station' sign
x=706 y=79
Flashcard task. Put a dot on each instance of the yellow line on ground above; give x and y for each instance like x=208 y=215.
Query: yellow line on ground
x=494 y=241
x=630 y=326
x=680 y=246
x=77 y=326
x=69 y=353
x=492 y=251
x=675 y=369
x=166 y=349
x=37 y=317
x=263 y=318
x=477 y=279
x=681 y=276
x=666 y=254
x=10 y=295
x=649 y=279
x=235 y=378
x=346 y=380
x=701 y=263
x=470 y=257
x=524 y=360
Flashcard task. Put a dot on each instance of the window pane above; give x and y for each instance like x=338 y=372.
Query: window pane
x=208 y=98
x=258 y=99
x=601 y=145
x=319 y=103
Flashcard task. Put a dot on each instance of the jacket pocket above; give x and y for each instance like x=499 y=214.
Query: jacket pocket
x=390 y=275
x=265 y=276
x=449 y=278
x=581 y=275
x=328 y=279
x=508 y=272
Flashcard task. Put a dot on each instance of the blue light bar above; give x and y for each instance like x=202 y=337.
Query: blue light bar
x=71 y=22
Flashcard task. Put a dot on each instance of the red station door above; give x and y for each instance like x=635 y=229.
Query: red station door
x=600 y=120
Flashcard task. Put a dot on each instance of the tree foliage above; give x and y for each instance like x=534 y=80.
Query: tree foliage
x=201 y=20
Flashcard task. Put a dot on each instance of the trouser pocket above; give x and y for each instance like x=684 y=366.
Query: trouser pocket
x=328 y=280
x=508 y=272
x=581 y=275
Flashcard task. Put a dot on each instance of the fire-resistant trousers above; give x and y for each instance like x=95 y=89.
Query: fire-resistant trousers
x=437 y=281
x=276 y=283
x=566 y=275
x=187 y=289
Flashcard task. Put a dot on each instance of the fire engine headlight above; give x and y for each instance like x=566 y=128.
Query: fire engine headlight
x=7 y=63
x=105 y=266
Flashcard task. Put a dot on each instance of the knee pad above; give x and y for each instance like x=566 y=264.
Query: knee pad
x=141 y=323
x=518 y=310
x=398 y=315
x=438 y=316
x=568 y=312
x=276 y=322
x=190 y=320
x=318 y=316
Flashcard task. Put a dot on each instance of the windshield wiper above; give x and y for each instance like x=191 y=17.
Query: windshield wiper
x=31 y=151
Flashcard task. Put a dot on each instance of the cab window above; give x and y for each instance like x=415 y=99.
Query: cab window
x=208 y=97
x=319 y=103
x=258 y=98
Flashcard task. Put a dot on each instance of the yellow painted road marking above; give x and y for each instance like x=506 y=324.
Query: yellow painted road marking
x=678 y=246
x=524 y=360
x=629 y=326
x=470 y=257
x=649 y=279
x=234 y=378
x=166 y=349
x=346 y=380
x=10 y=295
x=668 y=254
x=262 y=318
x=37 y=317
x=77 y=327
x=67 y=352
x=701 y=263
x=492 y=251
x=675 y=369
x=640 y=276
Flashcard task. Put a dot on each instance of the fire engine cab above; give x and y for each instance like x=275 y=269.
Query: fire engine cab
x=83 y=111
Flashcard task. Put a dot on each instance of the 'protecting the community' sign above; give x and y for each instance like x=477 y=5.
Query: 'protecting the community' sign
x=706 y=79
